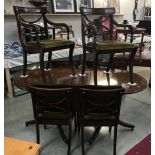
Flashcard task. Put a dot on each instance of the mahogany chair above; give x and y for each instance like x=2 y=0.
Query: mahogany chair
x=52 y=105
x=40 y=40
x=95 y=34
x=100 y=106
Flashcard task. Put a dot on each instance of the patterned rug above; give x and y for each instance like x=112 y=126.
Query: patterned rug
x=142 y=148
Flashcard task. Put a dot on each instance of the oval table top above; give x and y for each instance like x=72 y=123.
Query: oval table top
x=61 y=76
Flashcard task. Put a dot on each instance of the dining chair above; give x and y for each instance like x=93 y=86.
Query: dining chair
x=97 y=25
x=100 y=106
x=52 y=105
x=40 y=39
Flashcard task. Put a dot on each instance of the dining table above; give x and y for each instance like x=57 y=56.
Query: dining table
x=62 y=76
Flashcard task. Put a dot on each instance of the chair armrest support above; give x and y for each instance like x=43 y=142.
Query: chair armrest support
x=59 y=25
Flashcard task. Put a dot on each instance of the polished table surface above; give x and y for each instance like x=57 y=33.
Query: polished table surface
x=61 y=76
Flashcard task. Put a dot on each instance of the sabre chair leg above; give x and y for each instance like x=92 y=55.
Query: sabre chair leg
x=110 y=127
x=132 y=55
x=82 y=139
x=42 y=62
x=24 y=63
x=95 y=68
x=69 y=138
x=84 y=62
x=110 y=62
x=115 y=140
x=38 y=133
x=45 y=127
x=49 y=60
x=71 y=59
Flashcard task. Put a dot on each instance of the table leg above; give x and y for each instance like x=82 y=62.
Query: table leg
x=62 y=134
x=126 y=125
x=96 y=133
x=8 y=82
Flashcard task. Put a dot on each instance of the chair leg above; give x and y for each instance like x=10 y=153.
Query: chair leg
x=42 y=62
x=24 y=62
x=110 y=62
x=110 y=127
x=95 y=68
x=75 y=121
x=115 y=140
x=69 y=138
x=49 y=59
x=82 y=139
x=71 y=59
x=84 y=62
x=45 y=127
x=131 y=65
x=38 y=133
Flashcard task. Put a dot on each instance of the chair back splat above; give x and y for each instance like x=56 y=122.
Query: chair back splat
x=37 y=35
x=100 y=106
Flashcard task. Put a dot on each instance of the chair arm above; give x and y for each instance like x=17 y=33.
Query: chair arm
x=34 y=27
x=59 y=25
x=131 y=28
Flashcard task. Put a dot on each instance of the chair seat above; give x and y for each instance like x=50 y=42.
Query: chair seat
x=48 y=44
x=114 y=45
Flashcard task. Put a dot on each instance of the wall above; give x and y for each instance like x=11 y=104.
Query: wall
x=10 y=27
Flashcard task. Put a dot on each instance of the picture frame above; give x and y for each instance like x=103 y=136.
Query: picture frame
x=101 y=4
x=63 y=6
x=116 y=5
x=84 y=3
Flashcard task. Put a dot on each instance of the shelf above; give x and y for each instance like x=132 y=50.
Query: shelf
x=60 y=14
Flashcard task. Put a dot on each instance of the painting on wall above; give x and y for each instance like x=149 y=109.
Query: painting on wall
x=83 y=3
x=63 y=6
x=101 y=3
x=116 y=5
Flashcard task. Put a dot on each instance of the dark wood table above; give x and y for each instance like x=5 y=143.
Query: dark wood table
x=61 y=76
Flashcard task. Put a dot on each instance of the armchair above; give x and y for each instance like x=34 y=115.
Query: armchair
x=95 y=33
x=39 y=40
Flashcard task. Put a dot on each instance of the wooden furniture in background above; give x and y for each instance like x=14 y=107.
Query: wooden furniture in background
x=14 y=146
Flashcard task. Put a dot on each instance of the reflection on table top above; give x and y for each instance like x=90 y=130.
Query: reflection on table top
x=61 y=76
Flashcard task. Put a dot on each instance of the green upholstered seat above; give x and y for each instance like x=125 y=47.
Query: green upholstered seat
x=49 y=43
x=112 y=45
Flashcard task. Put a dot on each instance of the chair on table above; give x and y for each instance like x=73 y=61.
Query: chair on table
x=96 y=31
x=52 y=105
x=100 y=106
x=38 y=39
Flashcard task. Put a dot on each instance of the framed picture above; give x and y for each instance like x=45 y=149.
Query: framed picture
x=84 y=3
x=62 y=6
x=116 y=5
x=101 y=3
